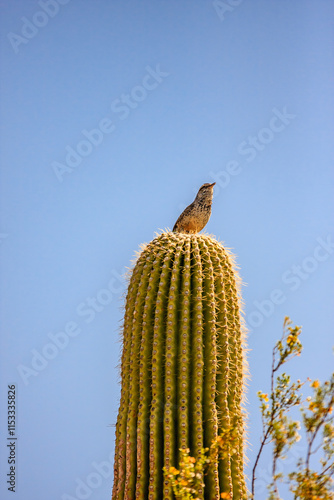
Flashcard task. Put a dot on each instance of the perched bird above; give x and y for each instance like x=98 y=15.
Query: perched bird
x=197 y=214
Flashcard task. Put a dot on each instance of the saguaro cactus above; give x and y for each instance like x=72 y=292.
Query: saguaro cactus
x=182 y=368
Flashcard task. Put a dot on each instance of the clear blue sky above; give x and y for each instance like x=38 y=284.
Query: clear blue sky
x=112 y=116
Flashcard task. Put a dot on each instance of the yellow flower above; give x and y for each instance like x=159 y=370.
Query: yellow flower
x=174 y=471
x=312 y=406
x=315 y=384
x=264 y=396
x=289 y=339
x=225 y=495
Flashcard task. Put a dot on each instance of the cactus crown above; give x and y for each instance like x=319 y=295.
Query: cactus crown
x=183 y=367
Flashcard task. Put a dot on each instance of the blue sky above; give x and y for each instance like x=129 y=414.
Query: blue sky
x=112 y=116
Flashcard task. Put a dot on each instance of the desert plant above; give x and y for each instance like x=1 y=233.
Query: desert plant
x=281 y=430
x=182 y=369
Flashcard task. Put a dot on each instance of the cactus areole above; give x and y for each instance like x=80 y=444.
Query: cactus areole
x=182 y=368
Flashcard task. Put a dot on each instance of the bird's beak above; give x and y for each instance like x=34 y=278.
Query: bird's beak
x=211 y=185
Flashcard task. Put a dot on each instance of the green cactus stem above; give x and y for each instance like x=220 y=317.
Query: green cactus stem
x=183 y=368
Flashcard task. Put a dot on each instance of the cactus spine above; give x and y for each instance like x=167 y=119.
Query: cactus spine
x=182 y=367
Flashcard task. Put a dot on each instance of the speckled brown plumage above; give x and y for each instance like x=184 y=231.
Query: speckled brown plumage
x=195 y=217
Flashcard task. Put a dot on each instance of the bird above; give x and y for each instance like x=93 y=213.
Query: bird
x=195 y=217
